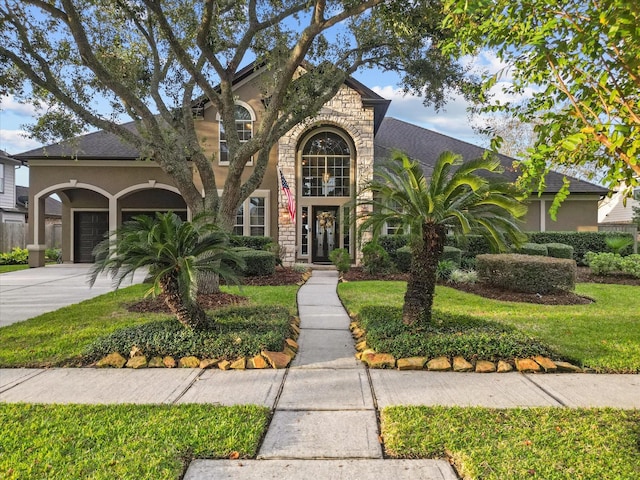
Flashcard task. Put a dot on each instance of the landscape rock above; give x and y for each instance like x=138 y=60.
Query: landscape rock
x=485 y=366
x=567 y=367
x=546 y=363
x=379 y=360
x=504 y=367
x=411 y=363
x=288 y=351
x=156 y=362
x=361 y=346
x=113 y=360
x=292 y=344
x=357 y=333
x=276 y=359
x=257 y=362
x=461 y=365
x=527 y=365
x=169 y=361
x=224 y=365
x=137 y=362
x=189 y=362
x=208 y=363
x=239 y=364
x=439 y=364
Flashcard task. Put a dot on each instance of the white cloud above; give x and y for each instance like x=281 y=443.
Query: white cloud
x=10 y=104
x=16 y=141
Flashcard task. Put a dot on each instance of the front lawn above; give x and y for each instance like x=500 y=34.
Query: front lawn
x=122 y=441
x=60 y=337
x=12 y=268
x=544 y=443
x=604 y=335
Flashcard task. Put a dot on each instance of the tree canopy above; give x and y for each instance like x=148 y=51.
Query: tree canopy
x=95 y=62
x=581 y=60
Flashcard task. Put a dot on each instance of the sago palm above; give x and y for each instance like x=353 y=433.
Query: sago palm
x=454 y=200
x=174 y=252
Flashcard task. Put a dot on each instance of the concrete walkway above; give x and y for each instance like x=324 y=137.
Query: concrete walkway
x=28 y=293
x=325 y=405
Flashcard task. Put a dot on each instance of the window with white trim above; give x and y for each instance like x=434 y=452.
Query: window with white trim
x=1 y=177
x=244 y=129
x=252 y=218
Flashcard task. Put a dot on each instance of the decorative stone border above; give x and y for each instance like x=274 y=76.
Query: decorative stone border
x=536 y=364
x=265 y=359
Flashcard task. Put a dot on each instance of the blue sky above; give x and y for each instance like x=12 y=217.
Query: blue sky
x=453 y=120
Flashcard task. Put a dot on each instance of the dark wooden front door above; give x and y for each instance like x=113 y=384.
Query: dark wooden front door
x=325 y=233
x=89 y=230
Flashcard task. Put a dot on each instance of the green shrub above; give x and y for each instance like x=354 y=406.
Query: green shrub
x=341 y=259
x=445 y=267
x=463 y=276
x=631 y=265
x=391 y=244
x=232 y=333
x=452 y=253
x=258 y=263
x=618 y=244
x=473 y=245
x=447 y=335
x=403 y=259
x=468 y=263
x=17 y=256
x=527 y=273
x=300 y=267
x=559 y=250
x=603 y=263
x=582 y=242
x=533 y=249
x=253 y=242
x=375 y=259
x=279 y=251
x=53 y=254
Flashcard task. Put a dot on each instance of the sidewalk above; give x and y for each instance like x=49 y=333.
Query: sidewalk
x=325 y=405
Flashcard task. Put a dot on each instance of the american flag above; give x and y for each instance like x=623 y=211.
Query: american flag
x=291 y=201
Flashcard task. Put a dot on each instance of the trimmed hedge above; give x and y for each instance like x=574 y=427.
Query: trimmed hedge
x=258 y=263
x=403 y=259
x=533 y=249
x=375 y=259
x=527 y=273
x=582 y=242
x=559 y=250
x=255 y=243
x=452 y=253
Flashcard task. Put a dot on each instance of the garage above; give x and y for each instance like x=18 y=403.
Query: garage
x=89 y=230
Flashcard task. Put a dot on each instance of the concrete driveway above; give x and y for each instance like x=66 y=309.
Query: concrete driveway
x=27 y=293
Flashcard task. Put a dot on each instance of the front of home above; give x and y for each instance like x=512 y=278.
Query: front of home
x=325 y=160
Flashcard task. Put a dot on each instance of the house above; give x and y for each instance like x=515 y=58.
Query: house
x=10 y=210
x=324 y=159
x=614 y=210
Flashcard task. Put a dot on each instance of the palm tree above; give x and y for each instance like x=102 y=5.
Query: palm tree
x=175 y=252
x=455 y=199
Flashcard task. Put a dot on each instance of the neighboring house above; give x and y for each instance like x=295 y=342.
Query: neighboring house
x=614 y=210
x=52 y=207
x=325 y=160
x=10 y=210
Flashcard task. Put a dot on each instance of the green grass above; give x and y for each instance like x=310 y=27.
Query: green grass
x=604 y=335
x=12 y=268
x=545 y=443
x=122 y=441
x=60 y=337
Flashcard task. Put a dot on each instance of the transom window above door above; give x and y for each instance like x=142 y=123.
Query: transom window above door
x=326 y=166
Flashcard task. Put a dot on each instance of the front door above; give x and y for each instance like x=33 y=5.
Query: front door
x=325 y=233
x=90 y=228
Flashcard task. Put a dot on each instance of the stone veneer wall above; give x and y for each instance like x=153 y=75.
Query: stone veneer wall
x=344 y=111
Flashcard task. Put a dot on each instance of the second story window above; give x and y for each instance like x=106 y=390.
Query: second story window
x=244 y=130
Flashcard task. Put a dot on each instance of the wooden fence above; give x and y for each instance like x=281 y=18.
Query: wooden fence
x=16 y=234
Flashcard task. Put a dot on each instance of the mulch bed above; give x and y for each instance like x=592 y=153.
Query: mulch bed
x=585 y=276
x=283 y=276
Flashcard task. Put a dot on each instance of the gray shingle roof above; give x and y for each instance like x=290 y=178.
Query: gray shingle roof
x=52 y=207
x=100 y=145
x=425 y=146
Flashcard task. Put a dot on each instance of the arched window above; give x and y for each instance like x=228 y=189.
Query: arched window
x=244 y=129
x=326 y=166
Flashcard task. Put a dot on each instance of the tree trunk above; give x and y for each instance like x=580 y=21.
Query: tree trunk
x=191 y=315
x=418 y=299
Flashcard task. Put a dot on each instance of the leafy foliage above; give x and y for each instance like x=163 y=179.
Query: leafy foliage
x=375 y=259
x=256 y=263
x=582 y=242
x=533 y=249
x=17 y=256
x=559 y=250
x=230 y=333
x=447 y=335
x=341 y=259
x=580 y=59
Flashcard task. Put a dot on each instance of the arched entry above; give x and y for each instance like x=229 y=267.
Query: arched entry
x=326 y=170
